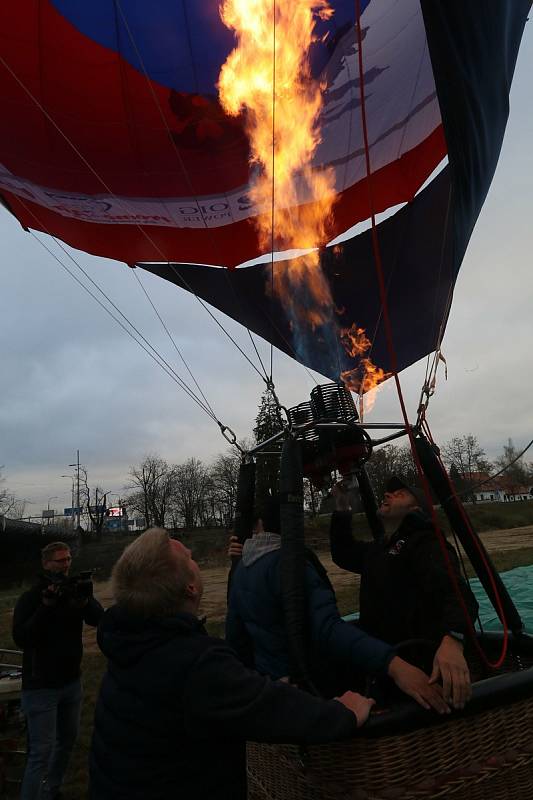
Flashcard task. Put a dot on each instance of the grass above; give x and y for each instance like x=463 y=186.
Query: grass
x=94 y=665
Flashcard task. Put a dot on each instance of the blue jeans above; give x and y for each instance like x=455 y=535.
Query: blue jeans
x=52 y=718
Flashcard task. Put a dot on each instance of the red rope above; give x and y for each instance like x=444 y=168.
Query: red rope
x=481 y=551
x=394 y=365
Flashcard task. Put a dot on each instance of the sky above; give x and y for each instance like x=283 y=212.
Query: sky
x=72 y=380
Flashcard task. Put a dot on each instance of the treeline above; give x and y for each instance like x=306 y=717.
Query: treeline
x=10 y=505
x=189 y=495
x=194 y=494
x=465 y=460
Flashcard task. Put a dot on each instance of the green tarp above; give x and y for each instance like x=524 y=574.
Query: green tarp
x=519 y=583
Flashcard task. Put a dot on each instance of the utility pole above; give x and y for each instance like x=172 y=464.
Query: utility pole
x=77 y=465
x=78 y=487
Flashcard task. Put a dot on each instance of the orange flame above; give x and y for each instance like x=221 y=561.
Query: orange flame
x=268 y=77
x=366 y=376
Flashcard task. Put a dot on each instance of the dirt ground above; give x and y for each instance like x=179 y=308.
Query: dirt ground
x=215 y=578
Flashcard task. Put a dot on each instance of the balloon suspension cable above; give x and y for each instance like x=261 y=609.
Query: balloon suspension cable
x=273 y=200
x=281 y=411
x=186 y=175
x=429 y=386
x=121 y=204
x=131 y=331
x=499 y=606
x=173 y=341
x=437 y=356
x=394 y=365
x=231 y=437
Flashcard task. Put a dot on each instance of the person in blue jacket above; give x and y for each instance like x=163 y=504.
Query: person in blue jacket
x=255 y=626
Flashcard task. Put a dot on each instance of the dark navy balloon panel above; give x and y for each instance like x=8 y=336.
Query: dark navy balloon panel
x=180 y=43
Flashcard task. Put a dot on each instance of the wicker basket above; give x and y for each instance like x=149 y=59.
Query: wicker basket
x=486 y=756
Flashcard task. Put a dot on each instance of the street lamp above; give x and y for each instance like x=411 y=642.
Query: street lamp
x=54 y=497
x=77 y=465
x=71 y=478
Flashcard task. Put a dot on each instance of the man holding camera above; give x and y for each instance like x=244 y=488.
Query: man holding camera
x=47 y=625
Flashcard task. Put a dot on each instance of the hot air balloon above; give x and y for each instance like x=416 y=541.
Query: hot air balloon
x=137 y=131
x=129 y=154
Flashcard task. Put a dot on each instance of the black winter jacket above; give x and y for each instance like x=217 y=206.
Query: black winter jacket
x=51 y=638
x=406 y=591
x=176 y=707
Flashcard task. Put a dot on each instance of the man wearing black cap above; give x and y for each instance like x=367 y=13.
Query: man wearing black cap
x=406 y=589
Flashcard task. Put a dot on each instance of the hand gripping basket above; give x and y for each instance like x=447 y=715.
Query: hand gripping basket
x=483 y=753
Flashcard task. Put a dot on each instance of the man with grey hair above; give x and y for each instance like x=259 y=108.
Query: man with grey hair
x=47 y=625
x=176 y=705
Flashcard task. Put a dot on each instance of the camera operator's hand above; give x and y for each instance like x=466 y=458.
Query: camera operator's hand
x=50 y=595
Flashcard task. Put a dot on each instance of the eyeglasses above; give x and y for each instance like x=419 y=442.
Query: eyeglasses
x=65 y=560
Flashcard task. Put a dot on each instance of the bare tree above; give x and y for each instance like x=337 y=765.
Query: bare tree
x=9 y=504
x=391 y=460
x=152 y=483
x=136 y=503
x=468 y=459
x=95 y=501
x=192 y=485
x=224 y=475
x=518 y=474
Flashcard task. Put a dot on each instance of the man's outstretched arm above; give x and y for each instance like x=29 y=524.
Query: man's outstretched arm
x=222 y=696
x=347 y=643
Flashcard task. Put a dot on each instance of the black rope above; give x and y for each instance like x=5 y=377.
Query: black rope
x=178 y=154
x=153 y=355
x=157 y=356
x=185 y=364
x=112 y=194
x=494 y=475
x=273 y=203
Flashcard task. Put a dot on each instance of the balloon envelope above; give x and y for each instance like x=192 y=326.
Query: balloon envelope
x=114 y=140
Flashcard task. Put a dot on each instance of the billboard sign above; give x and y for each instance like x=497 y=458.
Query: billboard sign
x=117 y=511
x=71 y=512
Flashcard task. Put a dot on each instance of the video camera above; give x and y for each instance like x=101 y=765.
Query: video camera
x=76 y=587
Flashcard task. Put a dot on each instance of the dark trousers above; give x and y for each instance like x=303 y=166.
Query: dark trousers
x=52 y=719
